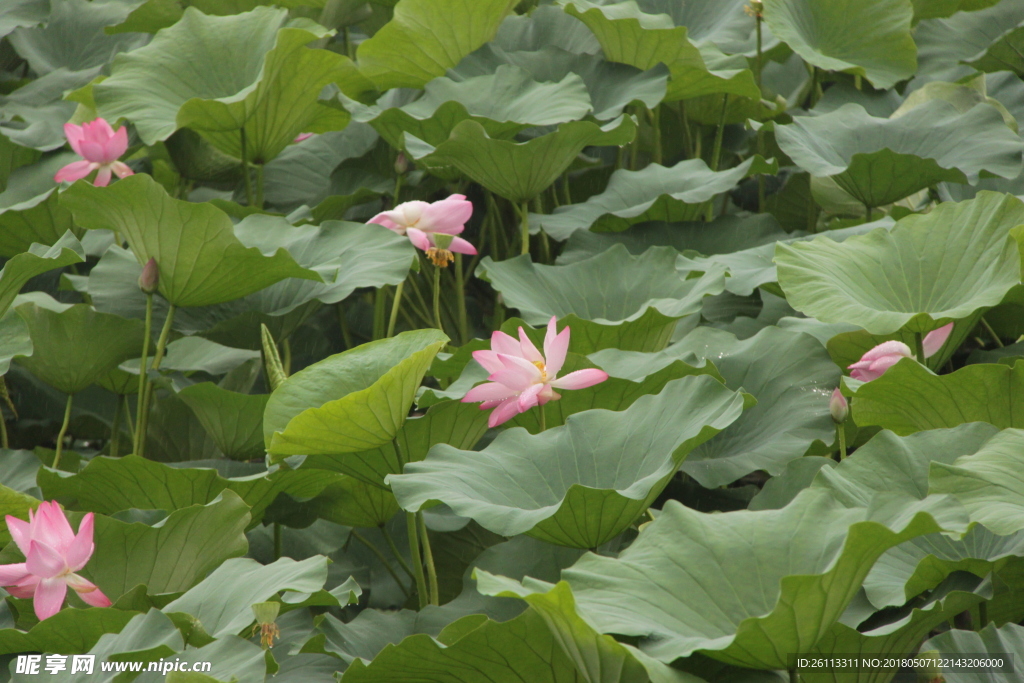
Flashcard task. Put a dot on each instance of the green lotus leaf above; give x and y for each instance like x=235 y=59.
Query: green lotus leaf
x=73 y=37
x=548 y=643
x=37 y=260
x=902 y=633
x=944 y=45
x=174 y=554
x=149 y=16
x=1004 y=54
x=577 y=485
x=34 y=115
x=109 y=485
x=629 y=35
x=15 y=340
x=879 y=161
x=196 y=354
x=427 y=37
x=351 y=502
x=675 y=193
x=612 y=289
x=909 y=398
x=29 y=211
x=527 y=168
x=233 y=420
x=457 y=424
x=790 y=375
x=71 y=631
x=610 y=86
x=22 y=13
x=746 y=588
x=504 y=103
x=352 y=401
x=223 y=75
x=545 y=26
x=870 y=38
x=995 y=641
x=201 y=260
x=74 y=348
x=929 y=269
x=938 y=9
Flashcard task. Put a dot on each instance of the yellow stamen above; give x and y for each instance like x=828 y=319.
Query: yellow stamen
x=543 y=370
x=440 y=257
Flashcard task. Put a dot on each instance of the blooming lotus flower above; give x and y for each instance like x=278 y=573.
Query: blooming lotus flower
x=522 y=378
x=53 y=553
x=875 y=362
x=100 y=147
x=432 y=227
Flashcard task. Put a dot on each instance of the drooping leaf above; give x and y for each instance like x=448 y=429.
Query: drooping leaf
x=870 y=38
x=233 y=420
x=926 y=271
x=201 y=260
x=70 y=631
x=581 y=484
x=15 y=340
x=29 y=210
x=990 y=640
x=37 y=260
x=352 y=401
x=22 y=13
x=879 y=161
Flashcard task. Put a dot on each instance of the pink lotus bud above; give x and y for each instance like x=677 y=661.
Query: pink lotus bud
x=401 y=164
x=149 y=280
x=838 y=406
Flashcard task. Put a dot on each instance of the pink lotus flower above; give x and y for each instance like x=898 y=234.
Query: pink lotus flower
x=100 y=147
x=432 y=227
x=53 y=554
x=303 y=136
x=875 y=362
x=522 y=378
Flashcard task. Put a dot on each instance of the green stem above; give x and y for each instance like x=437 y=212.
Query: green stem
x=566 y=190
x=165 y=333
x=543 y=419
x=437 y=299
x=524 y=228
x=655 y=116
x=428 y=555
x=716 y=152
x=982 y=615
x=842 y=441
x=417 y=560
x=158 y=357
x=794 y=677
x=3 y=431
x=380 y=558
x=867 y=213
x=395 y=305
x=991 y=332
x=760 y=176
x=286 y=362
x=919 y=348
x=128 y=419
x=63 y=431
x=346 y=334
x=460 y=297
x=142 y=368
x=115 y=429
x=760 y=58
x=398 y=190
x=394 y=551
x=278 y=541
x=380 y=303
x=259 y=186
x=249 y=198
x=687 y=134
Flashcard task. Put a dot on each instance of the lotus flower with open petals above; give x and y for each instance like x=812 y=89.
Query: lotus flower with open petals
x=432 y=226
x=522 y=378
x=100 y=148
x=875 y=362
x=53 y=553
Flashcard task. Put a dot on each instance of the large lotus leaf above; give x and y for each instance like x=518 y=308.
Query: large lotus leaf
x=201 y=260
x=196 y=354
x=879 y=161
x=870 y=38
x=945 y=44
x=220 y=75
x=34 y=115
x=526 y=168
x=675 y=193
x=724 y=24
x=987 y=483
x=173 y=554
x=504 y=102
x=1004 y=54
x=790 y=375
x=109 y=485
x=746 y=588
x=16 y=13
x=29 y=211
x=936 y=9
x=451 y=422
x=71 y=631
x=992 y=641
x=149 y=16
x=37 y=260
x=222 y=601
x=74 y=348
x=577 y=485
x=909 y=398
x=234 y=421
x=427 y=37
x=545 y=26
x=351 y=401
x=546 y=644
x=73 y=37
x=899 y=636
x=631 y=36
x=15 y=340
x=940 y=266
x=351 y=502
x=612 y=287
x=611 y=86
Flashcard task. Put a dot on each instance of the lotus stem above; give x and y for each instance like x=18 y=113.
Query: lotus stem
x=716 y=152
x=115 y=429
x=867 y=213
x=794 y=677
x=394 y=551
x=278 y=541
x=142 y=422
x=437 y=299
x=841 y=429
x=3 y=431
x=249 y=198
x=919 y=348
x=380 y=558
x=655 y=118
x=524 y=228
x=982 y=614
x=63 y=432
x=760 y=58
x=142 y=369
x=992 y=333
x=543 y=419
x=460 y=297
x=398 y=190
x=259 y=186
x=417 y=560
x=128 y=419
x=286 y=364
x=380 y=302
x=428 y=555
x=396 y=304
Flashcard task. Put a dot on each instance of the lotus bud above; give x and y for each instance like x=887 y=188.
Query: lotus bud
x=266 y=614
x=149 y=280
x=838 y=406
x=401 y=164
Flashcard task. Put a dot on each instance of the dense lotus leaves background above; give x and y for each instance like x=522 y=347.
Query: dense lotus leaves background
x=725 y=202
